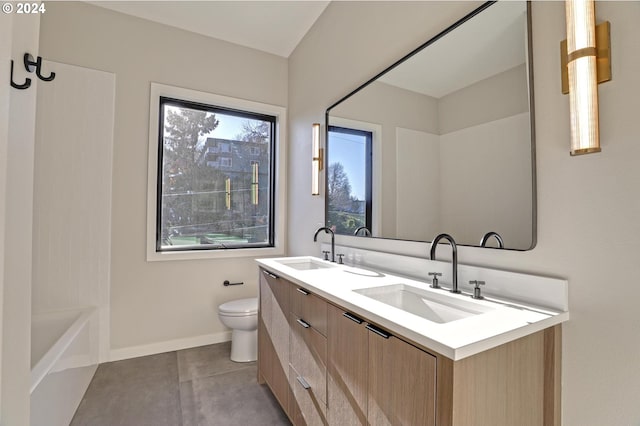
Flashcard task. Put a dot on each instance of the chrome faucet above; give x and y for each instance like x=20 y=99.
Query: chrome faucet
x=333 y=240
x=485 y=238
x=454 y=257
x=365 y=232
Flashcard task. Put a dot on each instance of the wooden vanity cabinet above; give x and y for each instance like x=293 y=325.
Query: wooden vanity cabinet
x=326 y=367
x=273 y=335
x=376 y=378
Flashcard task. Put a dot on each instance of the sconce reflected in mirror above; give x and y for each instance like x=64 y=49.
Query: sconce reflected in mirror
x=316 y=159
x=585 y=61
x=227 y=193
x=254 y=183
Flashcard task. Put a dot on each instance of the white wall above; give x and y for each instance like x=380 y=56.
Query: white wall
x=18 y=34
x=499 y=96
x=486 y=176
x=158 y=306
x=418 y=181
x=6 y=29
x=588 y=207
x=72 y=193
x=456 y=183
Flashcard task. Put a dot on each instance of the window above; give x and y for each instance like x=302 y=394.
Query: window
x=349 y=179
x=254 y=150
x=207 y=201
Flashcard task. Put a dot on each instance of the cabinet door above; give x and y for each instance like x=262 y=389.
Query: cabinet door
x=274 y=341
x=402 y=382
x=347 y=370
x=306 y=408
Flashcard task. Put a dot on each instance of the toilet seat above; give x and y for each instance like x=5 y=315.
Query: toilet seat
x=239 y=307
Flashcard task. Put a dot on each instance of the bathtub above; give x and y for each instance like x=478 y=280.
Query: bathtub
x=64 y=357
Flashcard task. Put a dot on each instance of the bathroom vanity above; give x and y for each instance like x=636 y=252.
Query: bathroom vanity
x=340 y=345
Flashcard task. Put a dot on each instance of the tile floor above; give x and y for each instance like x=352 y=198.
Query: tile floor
x=193 y=387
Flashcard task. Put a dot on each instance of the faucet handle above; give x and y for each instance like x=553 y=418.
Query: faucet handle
x=434 y=281
x=340 y=256
x=326 y=254
x=476 y=289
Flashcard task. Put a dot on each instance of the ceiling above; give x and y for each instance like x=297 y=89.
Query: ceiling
x=488 y=44
x=271 y=26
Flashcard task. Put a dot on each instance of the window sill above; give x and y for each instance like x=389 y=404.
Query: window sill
x=154 y=256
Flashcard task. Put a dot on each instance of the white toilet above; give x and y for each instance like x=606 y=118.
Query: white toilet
x=241 y=316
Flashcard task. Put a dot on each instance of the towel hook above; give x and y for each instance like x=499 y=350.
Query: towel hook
x=25 y=85
x=29 y=63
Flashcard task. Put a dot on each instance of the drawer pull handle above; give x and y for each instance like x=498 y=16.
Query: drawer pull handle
x=303 y=323
x=303 y=382
x=303 y=291
x=378 y=331
x=274 y=276
x=352 y=317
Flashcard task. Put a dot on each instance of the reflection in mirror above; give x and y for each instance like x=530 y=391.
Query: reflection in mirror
x=349 y=180
x=442 y=141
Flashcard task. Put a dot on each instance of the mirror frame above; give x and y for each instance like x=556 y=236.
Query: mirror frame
x=441 y=34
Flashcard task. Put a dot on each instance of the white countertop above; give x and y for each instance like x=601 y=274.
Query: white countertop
x=504 y=322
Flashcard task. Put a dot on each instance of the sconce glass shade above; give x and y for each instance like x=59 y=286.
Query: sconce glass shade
x=316 y=160
x=583 y=79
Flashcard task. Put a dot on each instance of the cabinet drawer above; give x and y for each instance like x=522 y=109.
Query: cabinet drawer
x=277 y=284
x=309 y=356
x=309 y=307
x=306 y=408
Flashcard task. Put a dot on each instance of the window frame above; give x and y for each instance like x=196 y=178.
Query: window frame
x=275 y=245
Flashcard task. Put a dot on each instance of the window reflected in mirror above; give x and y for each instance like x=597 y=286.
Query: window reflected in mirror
x=349 y=197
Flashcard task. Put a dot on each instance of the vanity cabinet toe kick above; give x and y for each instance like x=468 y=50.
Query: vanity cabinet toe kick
x=329 y=366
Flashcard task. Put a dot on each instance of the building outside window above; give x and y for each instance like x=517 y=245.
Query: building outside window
x=215 y=177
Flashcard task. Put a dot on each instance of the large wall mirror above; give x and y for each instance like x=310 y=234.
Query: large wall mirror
x=442 y=141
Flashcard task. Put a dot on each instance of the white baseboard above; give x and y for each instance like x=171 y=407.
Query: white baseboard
x=168 y=346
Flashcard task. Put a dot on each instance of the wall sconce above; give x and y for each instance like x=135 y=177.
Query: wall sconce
x=585 y=62
x=317 y=159
x=227 y=193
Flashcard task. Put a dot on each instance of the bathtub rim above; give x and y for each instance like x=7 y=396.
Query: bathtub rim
x=55 y=352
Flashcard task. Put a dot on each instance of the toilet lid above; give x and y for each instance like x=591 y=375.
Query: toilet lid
x=237 y=307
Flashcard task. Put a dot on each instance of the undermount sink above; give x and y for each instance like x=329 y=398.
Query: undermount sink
x=305 y=264
x=439 y=308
